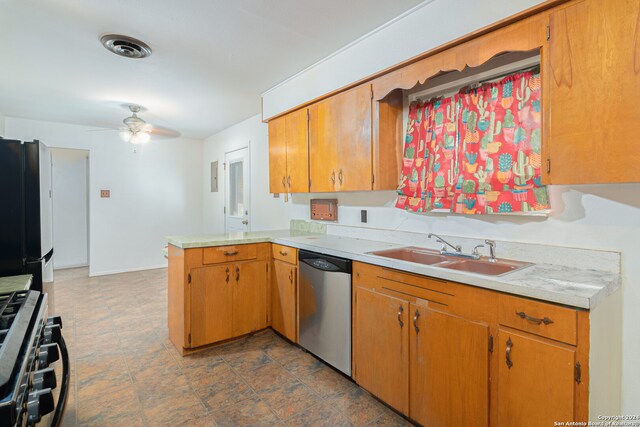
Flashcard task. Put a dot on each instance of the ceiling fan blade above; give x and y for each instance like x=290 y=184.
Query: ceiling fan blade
x=164 y=133
x=103 y=130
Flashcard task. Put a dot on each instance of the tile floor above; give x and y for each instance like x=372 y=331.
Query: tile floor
x=126 y=372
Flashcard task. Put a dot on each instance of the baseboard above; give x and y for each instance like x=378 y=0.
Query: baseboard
x=126 y=270
x=68 y=267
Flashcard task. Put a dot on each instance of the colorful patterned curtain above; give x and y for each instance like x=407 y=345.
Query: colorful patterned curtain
x=483 y=151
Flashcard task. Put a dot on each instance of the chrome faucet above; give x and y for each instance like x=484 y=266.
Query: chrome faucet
x=457 y=249
x=492 y=250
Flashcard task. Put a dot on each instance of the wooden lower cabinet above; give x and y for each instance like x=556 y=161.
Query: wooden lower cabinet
x=211 y=294
x=450 y=355
x=284 y=294
x=250 y=297
x=449 y=362
x=381 y=346
x=536 y=379
x=217 y=293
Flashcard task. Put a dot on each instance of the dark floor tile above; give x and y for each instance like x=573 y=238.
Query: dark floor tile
x=389 y=419
x=358 y=406
x=117 y=408
x=168 y=409
x=326 y=382
x=226 y=389
x=267 y=376
x=249 y=413
x=319 y=415
x=289 y=399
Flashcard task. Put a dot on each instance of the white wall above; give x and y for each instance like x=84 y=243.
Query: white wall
x=70 y=207
x=155 y=193
x=427 y=27
x=266 y=213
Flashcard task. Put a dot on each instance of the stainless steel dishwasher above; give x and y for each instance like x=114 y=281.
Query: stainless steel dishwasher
x=325 y=308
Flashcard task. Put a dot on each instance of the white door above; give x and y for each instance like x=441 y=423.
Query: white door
x=237 y=190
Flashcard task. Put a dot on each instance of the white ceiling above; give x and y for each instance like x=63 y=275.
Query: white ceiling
x=211 y=58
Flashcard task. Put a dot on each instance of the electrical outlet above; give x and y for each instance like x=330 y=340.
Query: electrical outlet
x=363 y=215
x=105 y=194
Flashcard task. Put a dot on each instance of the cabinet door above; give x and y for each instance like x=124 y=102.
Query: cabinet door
x=211 y=296
x=297 y=151
x=249 y=297
x=535 y=381
x=283 y=299
x=449 y=369
x=340 y=142
x=593 y=82
x=355 y=141
x=277 y=155
x=380 y=346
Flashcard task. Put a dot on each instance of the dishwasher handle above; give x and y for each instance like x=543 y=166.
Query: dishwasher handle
x=327 y=263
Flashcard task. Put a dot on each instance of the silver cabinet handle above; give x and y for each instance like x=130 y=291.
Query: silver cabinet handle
x=415 y=321
x=333 y=176
x=245 y=222
x=289 y=182
x=284 y=183
x=400 y=311
x=340 y=176
x=508 y=355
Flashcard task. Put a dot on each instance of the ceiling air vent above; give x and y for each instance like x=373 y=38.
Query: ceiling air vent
x=125 y=46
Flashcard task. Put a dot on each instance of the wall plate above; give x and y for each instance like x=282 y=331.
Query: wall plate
x=324 y=209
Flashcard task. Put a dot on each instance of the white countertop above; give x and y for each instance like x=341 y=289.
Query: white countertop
x=564 y=285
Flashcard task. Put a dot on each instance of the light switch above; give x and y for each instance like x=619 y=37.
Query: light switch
x=105 y=194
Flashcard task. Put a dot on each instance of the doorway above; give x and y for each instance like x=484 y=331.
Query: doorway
x=237 y=190
x=70 y=200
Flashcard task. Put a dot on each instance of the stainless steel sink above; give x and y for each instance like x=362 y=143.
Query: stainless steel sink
x=435 y=259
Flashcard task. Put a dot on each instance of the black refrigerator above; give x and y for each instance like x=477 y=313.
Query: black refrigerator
x=26 y=241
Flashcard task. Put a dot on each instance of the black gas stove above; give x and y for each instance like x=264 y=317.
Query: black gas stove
x=29 y=343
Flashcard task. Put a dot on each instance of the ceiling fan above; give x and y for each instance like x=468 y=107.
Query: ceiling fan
x=135 y=130
x=138 y=131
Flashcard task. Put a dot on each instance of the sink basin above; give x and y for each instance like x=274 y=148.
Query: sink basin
x=413 y=254
x=485 y=267
x=435 y=259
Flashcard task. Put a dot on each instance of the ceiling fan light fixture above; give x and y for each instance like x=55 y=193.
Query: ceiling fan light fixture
x=125 y=135
x=140 y=138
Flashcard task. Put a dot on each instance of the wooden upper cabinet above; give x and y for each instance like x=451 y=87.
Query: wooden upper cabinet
x=297 y=151
x=535 y=380
x=593 y=85
x=277 y=155
x=380 y=346
x=449 y=377
x=289 y=153
x=340 y=142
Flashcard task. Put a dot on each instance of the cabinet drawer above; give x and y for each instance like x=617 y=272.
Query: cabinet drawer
x=284 y=253
x=540 y=318
x=219 y=254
